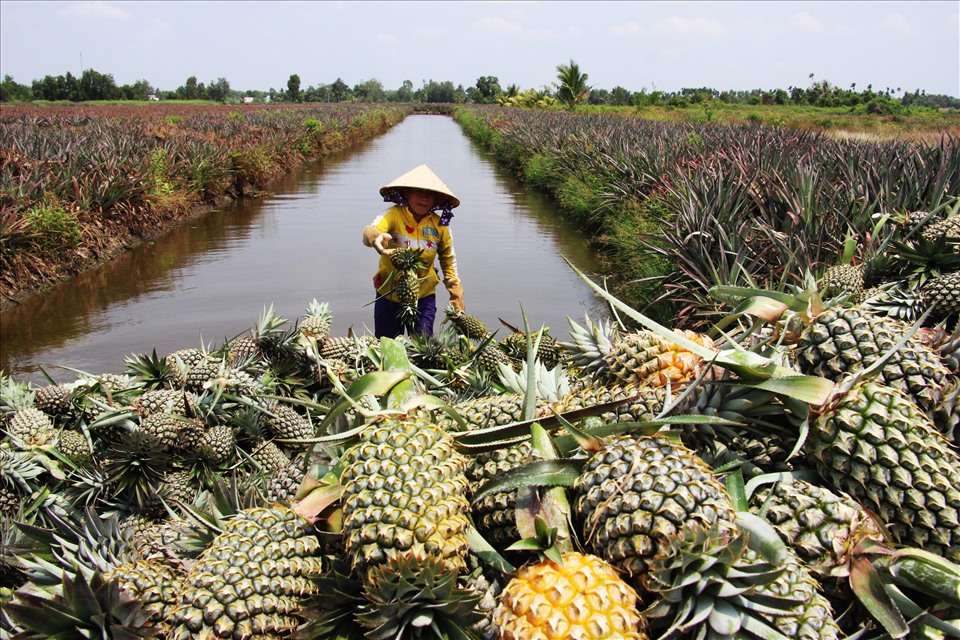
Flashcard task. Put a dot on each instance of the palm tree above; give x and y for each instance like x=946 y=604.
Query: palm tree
x=572 y=88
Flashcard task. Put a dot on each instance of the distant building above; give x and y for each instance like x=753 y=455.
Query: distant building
x=152 y=97
x=247 y=99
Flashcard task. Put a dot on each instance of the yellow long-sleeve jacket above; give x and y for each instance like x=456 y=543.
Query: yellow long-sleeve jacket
x=435 y=240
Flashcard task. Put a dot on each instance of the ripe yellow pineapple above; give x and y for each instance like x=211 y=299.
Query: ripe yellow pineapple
x=582 y=598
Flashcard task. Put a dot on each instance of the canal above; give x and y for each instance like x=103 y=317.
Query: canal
x=210 y=279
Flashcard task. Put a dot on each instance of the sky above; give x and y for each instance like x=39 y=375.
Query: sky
x=665 y=46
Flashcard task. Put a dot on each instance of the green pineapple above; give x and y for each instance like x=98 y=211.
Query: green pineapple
x=250 y=581
x=467 y=325
x=842 y=341
x=636 y=493
x=55 y=400
x=315 y=326
x=75 y=446
x=942 y=295
x=218 y=444
x=873 y=443
x=495 y=514
x=823 y=528
x=284 y=423
x=161 y=401
x=841 y=279
x=150 y=371
x=262 y=342
x=153 y=584
x=408 y=263
x=404 y=496
x=943 y=228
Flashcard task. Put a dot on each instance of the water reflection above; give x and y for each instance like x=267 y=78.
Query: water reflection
x=211 y=278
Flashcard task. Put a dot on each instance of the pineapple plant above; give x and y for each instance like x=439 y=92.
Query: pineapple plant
x=407 y=264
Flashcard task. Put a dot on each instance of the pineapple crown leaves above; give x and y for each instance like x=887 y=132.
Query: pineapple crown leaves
x=93 y=544
x=407 y=259
x=85 y=608
x=413 y=598
x=706 y=581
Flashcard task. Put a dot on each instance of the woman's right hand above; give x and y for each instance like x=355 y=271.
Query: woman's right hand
x=381 y=244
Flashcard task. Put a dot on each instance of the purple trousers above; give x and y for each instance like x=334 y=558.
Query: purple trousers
x=386 y=322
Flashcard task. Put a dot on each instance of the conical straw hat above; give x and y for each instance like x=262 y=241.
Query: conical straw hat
x=422 y=178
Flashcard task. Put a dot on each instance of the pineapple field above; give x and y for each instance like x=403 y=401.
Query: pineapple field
x=80 y=184
x=760 y=442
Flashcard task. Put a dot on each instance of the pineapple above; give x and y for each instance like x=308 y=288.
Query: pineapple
x=407 y=263
x=581 y=597
x=467 y=325
x=284 y=423
x=548 y=351
x=75 y=446
x=495 y=514
x=822 y=528
x=945 y=228
x=874 y=444
x=55 y=400
x=638 y=357
x=161 y=401
x=636 y=493
x=942 y=294
x=218 y=444
x=263 y=340
x=843 y=341
x=315 y=326
x=29 y=428
x=152 y=583
x=251 y=579
x=841 y=279
x=403 y=496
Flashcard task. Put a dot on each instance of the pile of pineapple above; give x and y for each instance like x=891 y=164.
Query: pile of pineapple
x=793 y=474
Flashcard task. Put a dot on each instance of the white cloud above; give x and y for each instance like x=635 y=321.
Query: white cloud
x=387 y=39
x=498 y=25
x=897 y=24
x=95 y=9
x=806 y=22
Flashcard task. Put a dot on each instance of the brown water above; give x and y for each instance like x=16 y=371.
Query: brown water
x=211 y=279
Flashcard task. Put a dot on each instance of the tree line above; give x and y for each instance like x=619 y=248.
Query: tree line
x=570 y=89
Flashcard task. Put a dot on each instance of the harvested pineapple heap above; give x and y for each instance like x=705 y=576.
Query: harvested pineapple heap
x=794 y=474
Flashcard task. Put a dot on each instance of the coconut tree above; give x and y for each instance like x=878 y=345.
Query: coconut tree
x=572 y=88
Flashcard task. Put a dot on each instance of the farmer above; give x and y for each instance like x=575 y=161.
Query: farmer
x=420 y=218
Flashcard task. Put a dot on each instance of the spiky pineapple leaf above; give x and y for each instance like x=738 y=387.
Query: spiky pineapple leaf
x=868 y=587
